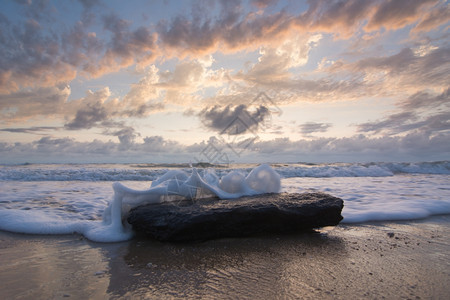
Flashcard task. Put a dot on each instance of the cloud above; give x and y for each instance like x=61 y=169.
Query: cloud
x=126 y=47
x=28 y=57
x=188 y=79
x=233 y=120
x=425 y=100
x=99 y=110
x=95 y=109
x=24 y=105
x=307 y=129
x=433 y=19
x=79 y=46
x=184 y=81
x=127 y=136
x=33 y=130
x=41 y=53
x=46 y=54
x=421 y=112
x=142 y=99
x=263 y=3
x=235 y=29
x=89 y=4
x=395 y=14
x=158 y=144
x=88 y=117
x=232 y=29
x=394 y=123
x=66 y=149
x=414 y=146
x=91 y=110
x=407 y=122
x=405 y=72
x=341 y=18
x=274 y=62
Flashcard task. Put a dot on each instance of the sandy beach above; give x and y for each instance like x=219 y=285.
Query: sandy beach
x=393 y=260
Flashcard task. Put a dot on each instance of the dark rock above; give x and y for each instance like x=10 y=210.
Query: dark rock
x=211 y=218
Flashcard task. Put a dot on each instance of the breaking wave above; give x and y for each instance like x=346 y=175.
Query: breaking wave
x=150 y=172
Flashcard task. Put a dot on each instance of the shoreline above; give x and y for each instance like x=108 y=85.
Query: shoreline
x=403 y=259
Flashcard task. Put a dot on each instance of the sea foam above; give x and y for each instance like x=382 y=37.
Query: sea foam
x=402 y=197
x=113 y=227
x=54 y=206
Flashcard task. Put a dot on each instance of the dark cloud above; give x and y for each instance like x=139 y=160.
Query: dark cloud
x=325 y=15
x=141 y=110
x=394 y=123
x=434 y=18
x=125 y=48
x=37 y=52
x=29 y=56
x=408 y=122
x=158 y=144
x=433 y=67
x=79 y=46
x=395 y=63
x=430 y=69
x=233 y=120
x=393 y=14
x=403 y=72
x=97 y=109
x=424 y=99
x=34 y=130
x=414 y=146
x=233 y=29
x=183 y=33
x=437 y=123
x=126 y=135
x=307 y=129
x=88 y=117
x=236 y=29
x=263 y=3
x=51 y=149
x=40 y=10
x=421 y=112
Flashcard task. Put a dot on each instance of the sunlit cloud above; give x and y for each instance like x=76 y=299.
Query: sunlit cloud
x=122 y=74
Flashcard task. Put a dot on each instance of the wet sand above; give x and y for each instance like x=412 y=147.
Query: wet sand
x=393 y=260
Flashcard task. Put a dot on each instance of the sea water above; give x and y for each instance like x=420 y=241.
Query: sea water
x=68 y=198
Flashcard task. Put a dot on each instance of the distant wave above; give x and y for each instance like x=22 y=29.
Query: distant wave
x=150 y=172
x=364 y=170
x=77 y=173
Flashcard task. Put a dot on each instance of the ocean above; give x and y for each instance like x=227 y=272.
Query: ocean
x=67 y=198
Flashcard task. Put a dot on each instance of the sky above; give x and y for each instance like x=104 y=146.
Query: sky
x=92 y=81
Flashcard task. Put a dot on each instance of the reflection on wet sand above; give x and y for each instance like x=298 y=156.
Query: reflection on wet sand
x=48 y=267
x=253 y=267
